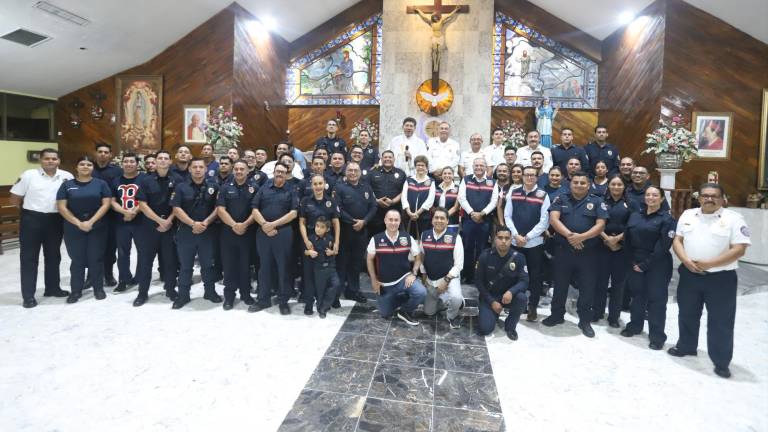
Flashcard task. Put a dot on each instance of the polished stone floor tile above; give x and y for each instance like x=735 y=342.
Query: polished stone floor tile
x=408 y=352
x=463 y=358
x=390 y=416
x=456 y=420
x=365 y=308
x=424 y=331
x=467 y=334
x=403 y=383
x=370 y=324
x=321 y=411
x=356 y=346
x=466 y=390
x=342 y=376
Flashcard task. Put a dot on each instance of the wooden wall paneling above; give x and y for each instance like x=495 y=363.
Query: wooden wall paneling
x=631 y=82
x=197 y=69
x=259 y=68
x=582 y=122
x=712 y=66
x=552 y=26
x=307 y=124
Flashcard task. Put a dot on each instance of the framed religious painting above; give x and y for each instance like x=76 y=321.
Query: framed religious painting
x=762 y=180
x=713 y=134
x=195 y=123
x=139 y=113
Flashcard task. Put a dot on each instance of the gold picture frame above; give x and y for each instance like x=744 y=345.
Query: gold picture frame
x=762 y=181
x=713 y=132
x=195 y=133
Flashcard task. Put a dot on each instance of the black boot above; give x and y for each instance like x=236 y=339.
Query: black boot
x=99 y=293
x=212 y=296
x=140 y=299
x=74 y=297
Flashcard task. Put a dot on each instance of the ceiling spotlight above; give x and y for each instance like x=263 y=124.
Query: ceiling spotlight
x=269 y=22
x=626 y=17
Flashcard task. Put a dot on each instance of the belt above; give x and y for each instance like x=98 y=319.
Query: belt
x=32 y=212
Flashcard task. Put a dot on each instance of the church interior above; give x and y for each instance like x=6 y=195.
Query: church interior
x=146 y=76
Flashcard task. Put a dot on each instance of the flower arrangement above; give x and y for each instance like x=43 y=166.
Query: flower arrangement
x=514 y=134
x=364 y=124
x=223 y=130
x=672 y=138
x=118 y=160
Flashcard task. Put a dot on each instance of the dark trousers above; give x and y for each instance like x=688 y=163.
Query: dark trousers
x=151 y=243
x=39 y=230
x=475 y=238
x=353 y=244
x=398 y=296
x=276 y=262
x=577 y=265
x=486 y=319
x=236 y=257
x=326 y=285
x=611 y=266
x=218 y=267
x=650 y=290
x=110 y=251
x=534 y=259
x=718 y=292
x=189 y=245
x=86 y=249
x=125 y=234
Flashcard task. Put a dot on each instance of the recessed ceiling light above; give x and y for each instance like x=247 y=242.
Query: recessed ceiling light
x=626 y=17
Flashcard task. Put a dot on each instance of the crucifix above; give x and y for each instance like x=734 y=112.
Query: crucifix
x=433 y=16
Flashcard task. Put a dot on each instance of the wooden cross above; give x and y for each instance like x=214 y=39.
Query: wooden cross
x=436 y=11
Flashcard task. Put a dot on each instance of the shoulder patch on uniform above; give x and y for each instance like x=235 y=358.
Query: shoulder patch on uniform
x=512 y=266
x=403 y=241
x=428 y=182
x=540 y=193
x=397 y=175
x=744 y=231
x=610 y=152
x=489 y=182
x=671 y=234
x=367 y=195
x=448 y=238
x=328 y=204
x=603 y=206
x=210 y=191
x=525 y=268
x=250 y=189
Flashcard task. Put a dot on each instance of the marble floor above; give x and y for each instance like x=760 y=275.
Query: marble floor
x=109 y=366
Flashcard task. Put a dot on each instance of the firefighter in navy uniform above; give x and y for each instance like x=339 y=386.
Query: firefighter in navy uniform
x=501 y=279
x=357 y=207
x=104 y=169
x=477 y=196
x=238 y=235
x=275 y=206
x=331 y=142
x=578 y=219
x=648 y=237
x=527 y=216
x=156 y=235
x=128 y=218
x=709 y=242
x=601 y=150
x=387 y=184
x=370 y=154
x=194 y=205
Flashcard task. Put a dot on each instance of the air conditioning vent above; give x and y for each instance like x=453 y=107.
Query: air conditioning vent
x=25 y=37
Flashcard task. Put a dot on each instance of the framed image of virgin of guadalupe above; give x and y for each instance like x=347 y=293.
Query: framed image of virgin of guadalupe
x=139 y=113
x=762 y=179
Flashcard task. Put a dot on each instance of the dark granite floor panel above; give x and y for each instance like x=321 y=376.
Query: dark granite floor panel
x=389 y=416
x=321 y=411
x=457 y=420
x=467 y=334
x=403 y=383
x=463 y=358
x=356 y=346
x=466 y=390
x=425 y=331
x=342 y=376
x=365 y=323
x=408 y=352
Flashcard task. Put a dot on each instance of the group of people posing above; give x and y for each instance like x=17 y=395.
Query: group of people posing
x=420 y=217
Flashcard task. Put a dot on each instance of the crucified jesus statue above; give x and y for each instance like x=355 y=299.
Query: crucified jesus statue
x=437 y=23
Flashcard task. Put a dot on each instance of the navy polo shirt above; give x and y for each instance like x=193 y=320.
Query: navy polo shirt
x=212 y=169
x=560 y=156
x=355 y=201
x=109 y=173
x=259 y=177
x=236 y=198
x=387 y=183
x=494 y=276
x=332 y=177
x=332 y=145
x=607 y=153
x=636 y=198
x=599 y=190
x=275 y=202
x=126 y=193
x=180 y=173
x=197 y=200
x=320 y=244
x=311 y=209
x=221 y=180
x=648 y=237
x=84 y=199
x=618 y=215
x=370 y=157
x=579 y=216
x=306 y=185
x=156 y=191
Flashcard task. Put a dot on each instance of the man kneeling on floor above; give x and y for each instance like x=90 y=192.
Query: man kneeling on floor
x=501 y=278
x=393 y=263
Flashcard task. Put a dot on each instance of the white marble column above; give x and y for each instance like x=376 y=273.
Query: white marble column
x=466 y=66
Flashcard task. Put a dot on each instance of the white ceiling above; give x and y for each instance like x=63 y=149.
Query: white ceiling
x=123 y=34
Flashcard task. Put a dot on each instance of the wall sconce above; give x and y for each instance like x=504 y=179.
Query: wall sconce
x=97 y=112
x=266 y=106
x=339 y=119
x=74 y=117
